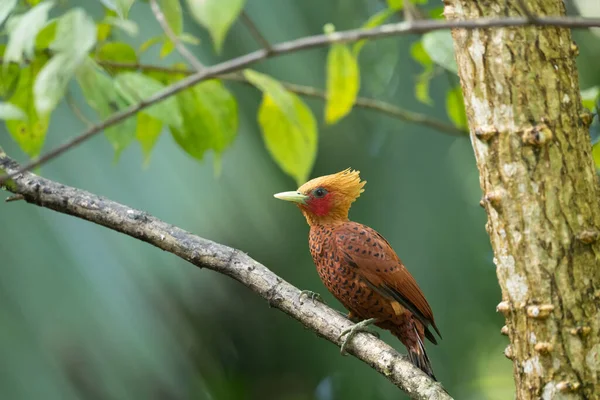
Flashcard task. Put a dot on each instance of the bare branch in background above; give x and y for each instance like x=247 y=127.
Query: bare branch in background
x=255 y=31
x=310 y=42
x=321 y=319
x=181 y=49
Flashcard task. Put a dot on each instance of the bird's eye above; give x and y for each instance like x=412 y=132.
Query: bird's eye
x=320 y=192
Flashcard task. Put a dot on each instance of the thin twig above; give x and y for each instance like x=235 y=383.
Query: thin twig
x=310 y=42
x=181 y=49
x=15 y=197
x=325 y=321
x=71 y=104
x=309 y=91
x=255 y=31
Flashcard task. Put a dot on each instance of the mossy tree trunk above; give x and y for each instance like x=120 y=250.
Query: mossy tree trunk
x=531 y=141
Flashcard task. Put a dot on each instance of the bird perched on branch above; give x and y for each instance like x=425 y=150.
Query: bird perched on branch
x=360 y=268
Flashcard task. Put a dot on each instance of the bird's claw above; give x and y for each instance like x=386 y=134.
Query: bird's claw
x=362 y=326
x=311 y=295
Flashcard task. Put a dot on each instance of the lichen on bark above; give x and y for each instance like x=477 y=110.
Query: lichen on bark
x=540 y=191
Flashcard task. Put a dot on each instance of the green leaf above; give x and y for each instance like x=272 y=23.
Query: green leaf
x=395 y=5
x=589 y=97
x=424 y=78
x=9 y=76
x=292 y=146
x=51 y=83
x=343 y=82
x=276 y=91
x=75 y=33
x=437 y=13
x=75 y=36
x=210 y=119
x=167 y=47
x=218 y=111
x=374 y=21
x=148 y=131
x=118 y=52
x=419 y=54
x=455 y=107
x=121 y=7
x=22 y=32
x=172 y=11
x=6 y=7
x=150 y=42
x=596 y=155
x=135 y=87
x=440 y=48
x=126 y=25
x=193 y=141
x=30 y=133
x=216 y=16
x=189 y=39
x=288 y=126
x=9 y=111
x=422 y=87
x=104 y=30
x=46 y=36
x=101 y=94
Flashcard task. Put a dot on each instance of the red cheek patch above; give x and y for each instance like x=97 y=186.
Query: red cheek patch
x=322 y=206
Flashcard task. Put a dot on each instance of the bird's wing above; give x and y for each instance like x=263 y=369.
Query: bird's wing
x=381 y=269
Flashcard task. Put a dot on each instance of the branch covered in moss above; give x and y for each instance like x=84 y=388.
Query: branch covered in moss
x=204 y=253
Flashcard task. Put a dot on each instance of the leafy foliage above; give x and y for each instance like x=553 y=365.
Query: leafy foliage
x=373 y=22
x=121 y=7
x=29 y=133
x=11 y=112
x=42 y=56
x=439 y=47
x=135 y=87
x=22 y=31
x=6 y=7
x=210 y=119
x=343 y=82
x=75 y=37
x=455 y=106
x=590 y=98
x=216 y=16
x=102 y=95
x=147 y=132
x=419 y=54
x=288 y=126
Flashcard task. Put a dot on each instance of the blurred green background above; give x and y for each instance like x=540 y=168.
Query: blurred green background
x=87 y=313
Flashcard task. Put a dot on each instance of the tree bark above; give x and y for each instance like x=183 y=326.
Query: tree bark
x=530 y=136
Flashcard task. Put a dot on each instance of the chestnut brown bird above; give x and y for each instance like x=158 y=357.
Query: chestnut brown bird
x=360 y=268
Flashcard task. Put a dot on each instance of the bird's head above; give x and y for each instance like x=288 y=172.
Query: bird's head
x=326 y=199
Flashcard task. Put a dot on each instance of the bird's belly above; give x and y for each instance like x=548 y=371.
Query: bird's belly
x=345 y=284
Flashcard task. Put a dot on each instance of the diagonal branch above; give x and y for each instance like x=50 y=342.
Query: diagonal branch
x=309 y=91
x=234 y=263
x=310 y=42
x=181 y=49
x=255 y=31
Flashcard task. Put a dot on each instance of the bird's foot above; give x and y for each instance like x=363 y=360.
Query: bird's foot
x=362 y=326
x=311 y=295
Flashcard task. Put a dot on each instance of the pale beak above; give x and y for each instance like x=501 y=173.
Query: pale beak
x=294 y=197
